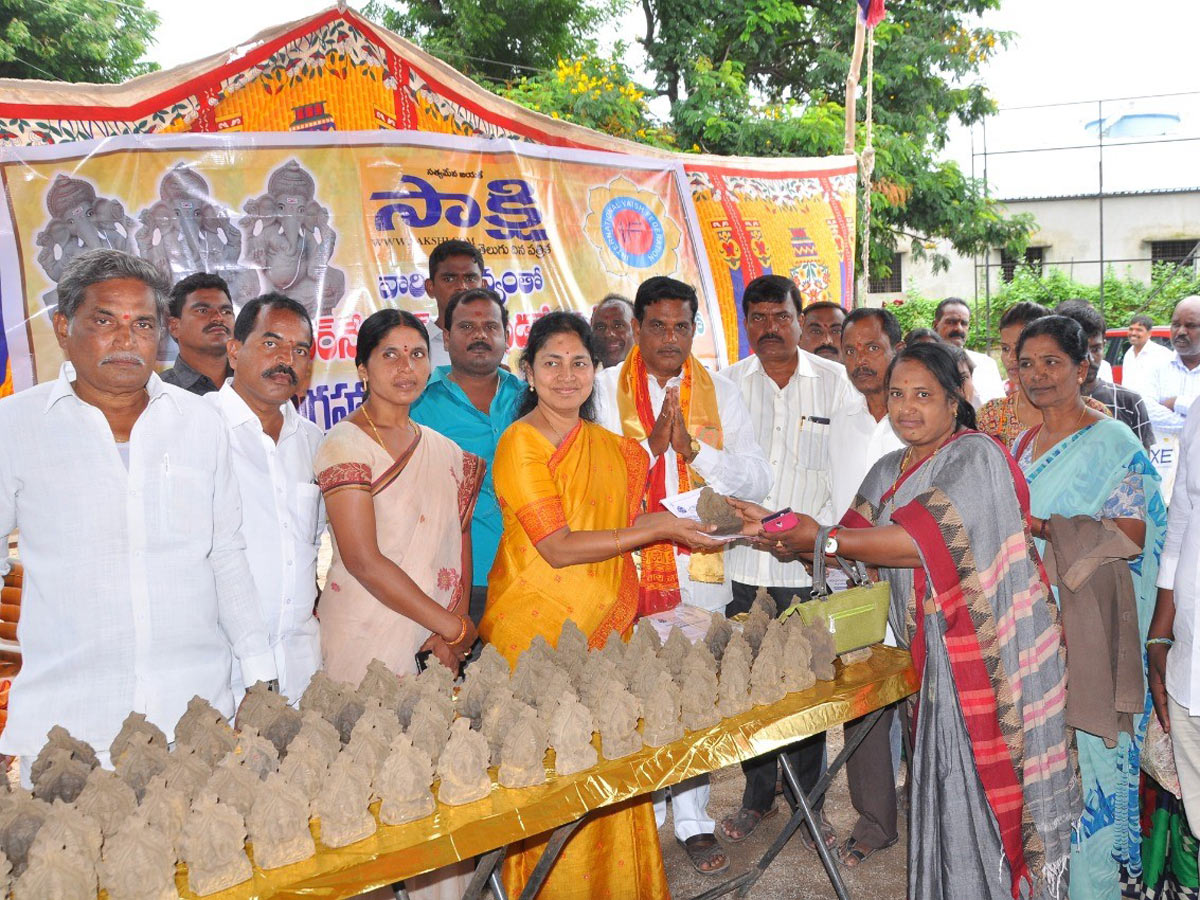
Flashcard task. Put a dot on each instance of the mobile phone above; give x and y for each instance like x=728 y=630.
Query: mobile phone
x=422 y=659
x=784 y=520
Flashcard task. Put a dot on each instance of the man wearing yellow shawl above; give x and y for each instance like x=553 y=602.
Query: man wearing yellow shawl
x=697 y=431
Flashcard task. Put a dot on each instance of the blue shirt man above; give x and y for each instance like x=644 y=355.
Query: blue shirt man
x=471 y=401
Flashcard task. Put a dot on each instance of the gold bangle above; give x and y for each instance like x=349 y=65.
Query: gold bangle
x=462 y=632
x=617 y=541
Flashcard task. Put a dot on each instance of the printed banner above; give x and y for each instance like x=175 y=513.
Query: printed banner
x=337 y=72
x=798 y=222
x=344 y=229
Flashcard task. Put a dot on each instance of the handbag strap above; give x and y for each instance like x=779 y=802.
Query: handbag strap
x=855 y=571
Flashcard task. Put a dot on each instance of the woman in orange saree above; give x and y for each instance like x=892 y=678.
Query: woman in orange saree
x=570 y=493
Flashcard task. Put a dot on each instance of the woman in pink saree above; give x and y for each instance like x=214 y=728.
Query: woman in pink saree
x=399 y=499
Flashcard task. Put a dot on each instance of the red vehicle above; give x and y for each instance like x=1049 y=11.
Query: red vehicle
x=1116 y=342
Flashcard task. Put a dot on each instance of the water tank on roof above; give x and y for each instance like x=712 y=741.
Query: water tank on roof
x=1135 y=124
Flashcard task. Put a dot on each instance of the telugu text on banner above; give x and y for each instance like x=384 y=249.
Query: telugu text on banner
x=346 y=229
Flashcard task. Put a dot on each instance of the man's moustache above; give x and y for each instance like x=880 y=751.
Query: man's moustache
x=863 y=372
x=830 y=347
x=132 y=358
x=770 y=337
x=281 y=370
x=479 y=345
x=217 y=328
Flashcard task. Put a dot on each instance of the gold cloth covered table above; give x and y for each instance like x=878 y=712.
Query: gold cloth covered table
x=455 y=833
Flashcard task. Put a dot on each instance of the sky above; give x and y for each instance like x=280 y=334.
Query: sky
x=1061 y=51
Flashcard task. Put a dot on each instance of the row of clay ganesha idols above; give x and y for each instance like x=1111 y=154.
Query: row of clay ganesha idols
x=391 y=740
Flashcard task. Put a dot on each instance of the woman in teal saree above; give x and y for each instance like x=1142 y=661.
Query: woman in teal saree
x=1080 y=464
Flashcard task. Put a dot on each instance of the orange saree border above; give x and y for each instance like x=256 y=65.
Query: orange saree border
x=542 y=518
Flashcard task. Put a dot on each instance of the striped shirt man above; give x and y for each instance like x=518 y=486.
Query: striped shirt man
x=792 y=427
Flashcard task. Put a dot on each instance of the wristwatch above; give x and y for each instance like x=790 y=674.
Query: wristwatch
x=831 y=542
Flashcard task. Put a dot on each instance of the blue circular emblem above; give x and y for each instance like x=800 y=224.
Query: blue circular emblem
x=632 y=232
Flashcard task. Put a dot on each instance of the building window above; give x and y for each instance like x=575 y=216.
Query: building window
x=1034 y=257
x=1171 y=251
x=892 y=284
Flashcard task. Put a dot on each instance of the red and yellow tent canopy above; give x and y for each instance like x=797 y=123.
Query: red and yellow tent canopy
x=335 y=71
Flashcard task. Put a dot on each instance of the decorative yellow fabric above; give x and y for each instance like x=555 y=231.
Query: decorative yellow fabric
x=613 y=856
x=593 y=482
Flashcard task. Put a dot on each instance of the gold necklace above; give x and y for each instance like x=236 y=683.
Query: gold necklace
x=554 y=431
x=907 y=458
x=379 y=439
x=371 y=422
x=1082 y=414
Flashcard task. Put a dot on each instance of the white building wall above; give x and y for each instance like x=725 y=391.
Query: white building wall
x=1068 y=229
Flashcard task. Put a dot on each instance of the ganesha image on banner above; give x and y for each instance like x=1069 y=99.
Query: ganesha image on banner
x=186 y=232
x=79 y=221
x=289 y=243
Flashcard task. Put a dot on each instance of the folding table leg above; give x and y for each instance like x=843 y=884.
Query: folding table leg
x=803 y=814
x=804 y=811
x=487 y=873
x=553 y=847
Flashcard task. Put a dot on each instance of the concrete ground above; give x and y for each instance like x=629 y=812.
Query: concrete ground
x=797 y=873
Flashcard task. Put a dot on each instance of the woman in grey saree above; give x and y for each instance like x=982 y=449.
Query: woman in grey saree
x=995 y=791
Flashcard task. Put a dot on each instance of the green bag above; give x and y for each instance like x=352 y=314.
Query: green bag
x=857 y=616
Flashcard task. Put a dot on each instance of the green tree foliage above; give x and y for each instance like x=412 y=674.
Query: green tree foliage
x=493 y=39
x=926 y=61
x=766 y=78
x=1124 y=297
x=915 y=198
x=75 y=40
x=592 y=91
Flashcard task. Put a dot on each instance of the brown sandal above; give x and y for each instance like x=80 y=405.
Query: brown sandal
x=704 y=849
x=744 y=821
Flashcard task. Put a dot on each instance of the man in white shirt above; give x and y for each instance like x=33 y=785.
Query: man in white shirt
x=859 y=436
x=454 y=266
x=136 y=583
x=1143 y=355
x=661 y=377
x=273 y=448
x=1172 y=645
x=1172 y=385
x=792 y=395
x=952 y=321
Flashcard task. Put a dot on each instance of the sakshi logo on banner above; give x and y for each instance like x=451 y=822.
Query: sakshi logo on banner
x=512 y=211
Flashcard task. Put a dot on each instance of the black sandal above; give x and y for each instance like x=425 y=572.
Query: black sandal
x=745 y=821
x=704 y=848
x=852 y=853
